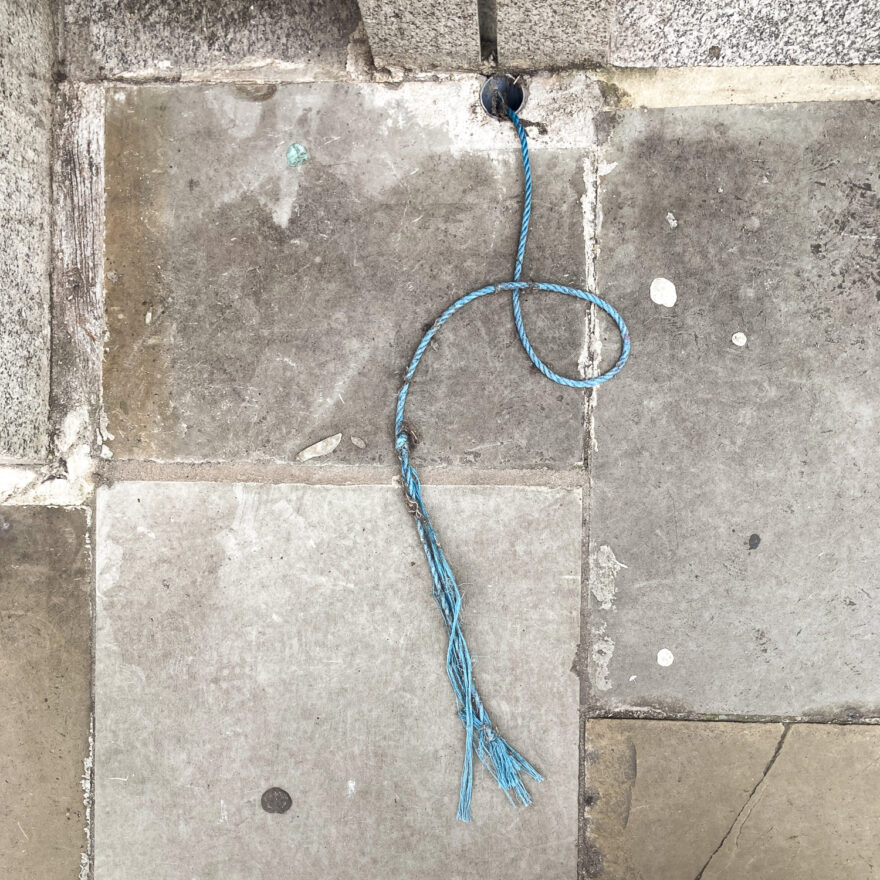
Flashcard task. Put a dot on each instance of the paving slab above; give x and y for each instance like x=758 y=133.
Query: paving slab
x=26 y=64
x=252 y=636
x=734 y=545
x=721 y=801
x=45 y=691
x=255 y=308
x=105 y=38
x=669 y=33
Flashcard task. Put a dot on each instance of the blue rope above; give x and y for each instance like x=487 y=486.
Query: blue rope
x=504 y=762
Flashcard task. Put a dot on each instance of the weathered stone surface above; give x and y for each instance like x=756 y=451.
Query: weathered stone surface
x=422 y=35
x=661 y=795
x=553 y=34
x=670 y=33
x=45 y=691
x=77 y=301
x=736 y=486
x=815 y=813
x=254 y=308
x=105 y=38
x=680 y=800
x=26 y=61
x=251 y=637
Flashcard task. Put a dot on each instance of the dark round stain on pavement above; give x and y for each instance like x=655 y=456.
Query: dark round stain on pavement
x=275 y=800
x=754 y=540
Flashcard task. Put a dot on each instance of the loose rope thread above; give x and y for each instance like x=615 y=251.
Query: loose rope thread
x=505 y=763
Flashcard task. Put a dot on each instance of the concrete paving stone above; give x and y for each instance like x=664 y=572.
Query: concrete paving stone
x=105 y=38
x=671 y=33
x=252 y=636
x=553 y=34
x=735 y=486
x=26 y=61
x=678 y=800
x=254 y=308
x=45 y=691
x=420 y=35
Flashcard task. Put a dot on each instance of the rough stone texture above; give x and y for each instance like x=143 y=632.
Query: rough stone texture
x=26 y=60
x=112 y=38
x=678 y=33
x=717 y=801
x=661 y=795
x=254 y=308
x=738 y=485
x=553 y=34
x=77 y=303
x=258 y=636
x=421 y=35
x=45 y=691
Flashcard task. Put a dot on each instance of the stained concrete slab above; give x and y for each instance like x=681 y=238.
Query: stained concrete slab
x=45 y=691
x=255 y=308
x=554 y=34
x=734 y=485
x=719 y=801
x=105 y=38
x=661 y=795
x=669 y=33
x=26 y=65
x=257 y=636
x=419 y=35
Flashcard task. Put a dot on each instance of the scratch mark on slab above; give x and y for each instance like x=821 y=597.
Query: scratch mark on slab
x=748 y=805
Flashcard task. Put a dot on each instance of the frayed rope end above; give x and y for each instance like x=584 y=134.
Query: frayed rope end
x=504 y=762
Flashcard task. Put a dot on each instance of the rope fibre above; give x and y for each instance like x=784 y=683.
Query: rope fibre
x=504 y=762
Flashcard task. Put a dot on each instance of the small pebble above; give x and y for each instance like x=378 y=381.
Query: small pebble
x=670 y=219
x=324 y=447
x=358 y=442
x=665 y=657
x=739 y=339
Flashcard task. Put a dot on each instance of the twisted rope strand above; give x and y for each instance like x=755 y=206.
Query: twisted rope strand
x=506 y=765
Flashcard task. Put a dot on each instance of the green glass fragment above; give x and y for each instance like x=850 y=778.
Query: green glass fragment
x=296 y=155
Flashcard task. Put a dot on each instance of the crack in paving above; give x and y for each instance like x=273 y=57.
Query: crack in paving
x=749 y=800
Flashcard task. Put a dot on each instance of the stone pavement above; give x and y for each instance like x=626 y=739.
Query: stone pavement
x=45 y=691
x=735 y=475
x=288 y=647
x=669 y=584
x=727 y=801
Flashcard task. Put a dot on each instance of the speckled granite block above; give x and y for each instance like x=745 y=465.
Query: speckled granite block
x=26 y=61
x=679 y=33
x=554 y=34
x=422 y=35
x=106 y=38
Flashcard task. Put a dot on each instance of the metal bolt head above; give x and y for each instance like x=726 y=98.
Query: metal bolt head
x=500 y=92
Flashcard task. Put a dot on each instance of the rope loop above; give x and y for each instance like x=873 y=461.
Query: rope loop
x=506 y=765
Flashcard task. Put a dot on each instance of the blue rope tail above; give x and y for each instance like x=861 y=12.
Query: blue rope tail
x=504 y=762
